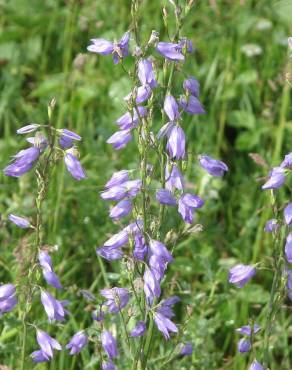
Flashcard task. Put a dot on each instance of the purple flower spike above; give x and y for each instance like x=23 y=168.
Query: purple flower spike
x=139 y=329
x=120 y=139
x=187 y=349
x=8 y=299
x=256 y=366
x=23 y=162
x=171 y=108
x=176 y=143
x=287 y=162
x=288 y=214
x=288 y=248
x=165 y=325
x=110 y=253
x=74 y=166
x=70 y=134
x=191 y=105
x=243 y=345
x=246 y=330
x=276 y=179
x=39 y=356
x=109 y=344
x=47 y=343
x=52 y=279
x=21 y=222
x=146 y=73
x=117 y=178
x=170 y=51
x=173 y=179
x=117 y=298
x=164 y=196
x=192 y=86
x=122 y=209
x=77 y=342
x=54 y=308
x=151 y=285
x=271 y=226
x=213 y=166
x=28 y=128
x=159 y=249
x=241 y=274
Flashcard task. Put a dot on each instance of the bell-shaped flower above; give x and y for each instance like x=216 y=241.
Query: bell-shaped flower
x=109 y=344
x=28 y=128
x=21 y=222
x=122 y=209
x=54 y=308
x=213 y=166
x=159 y=249
x=110 y=253
x=288 y=214
x=117 y=298
x=130 y=120
x=164 y=325
x=146 y=74
x=47 y=343
x=271 y=226
x=276 y=179
x=287 y=162
x=191 y=105
x=164 y=196
x=8 y=298
x=139 y=329
x=77 y=342
x=288 y=248
x=192 y=86
x=120 y=139
x=151 y=285
x=170 y=51
x=173 y=178
x=187 y=349
x=74 y=166
x=117 y=178
x=171 y=108
x=243 y=345
x=140 y=248
x=23 y=161
x=256 y=366
x=176 y=143
x=241 y=274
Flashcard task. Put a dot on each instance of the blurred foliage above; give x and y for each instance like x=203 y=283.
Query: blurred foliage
x=242 y=63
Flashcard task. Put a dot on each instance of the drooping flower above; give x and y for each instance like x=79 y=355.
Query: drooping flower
x=157 y=266
x=276 y=179
x=54 y=308
x=288 y=248
x=47 y=343
x=271 y=226
x=246 y=329
x=170 y=51
x=110 y=253
x=120 y=139
x=241 y=274
x=243 y=345
x=287 y=162
x=176 y=143
x=28 y=128
x=117 y=298
x=186 y=349
x=187 y=204
x=117 y=240
x=23 y=162
x=21 y=222
x=73 y=166
x=65 y=142
x=119 y=50
x=70 y=134
x=191 y=105
x=77 y=342
x=288 y=214
x=186 y=44
x=108 y=365
x=159 y=249
x=116 y=192
x=151 y=285
x=140 y=248
x=146 y=73
x=109 y=344
x=256 y=366
x=52 y=279
x=122 y=209
x=165 y=325
x=164 y=196
x=171 y=108
x=192 y=86
x=165 y=306
x=213 y=166
x=8 y=298
x=117 y=178
x=140 y=94
x=139 y=329
x=173 y=178
x=39 y=356
x=130 y=120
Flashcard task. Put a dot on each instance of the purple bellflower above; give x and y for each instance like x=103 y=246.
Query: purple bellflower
x=39 y=356
x=213 y=166
x=139 y=329
x=171 y=108
x=186 y=349
x=28 y=128
x=23 y=162
x=108 y=366
x=276 y=179
x=110 y=253
x=146 y=73
x=8 y=298
x=191 y=105
x=170 y=51
x=173 y=178
x=164 y=196
x=243 y=345
x=54 y=308
x=140 y=94
x=241 y=274
x=109 y=344
x=246 y=330
x=159 y=249
x=288 y=248
x=157 y=266
x=122 y=209
x=256 y=366
x=21 y=222
x=77 y=342
x=192 y=86
x=119 y=50
x=140 y=248
x=176 y=143
x=120 y=139
x=117 y=298
x=187 y=204
x=288 y=214
x=271 y=226
x=151 y=285
x=52 y=279
x=287 y=162
x=47 y=344
x=165 y=325
x=70 y=134
x=73 y=166
x=117 y=178
x=130 y=120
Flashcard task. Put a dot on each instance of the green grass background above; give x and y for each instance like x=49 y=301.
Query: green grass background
x=248 y=103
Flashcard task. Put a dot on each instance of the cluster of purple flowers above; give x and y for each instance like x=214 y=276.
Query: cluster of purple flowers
x=24 y=160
